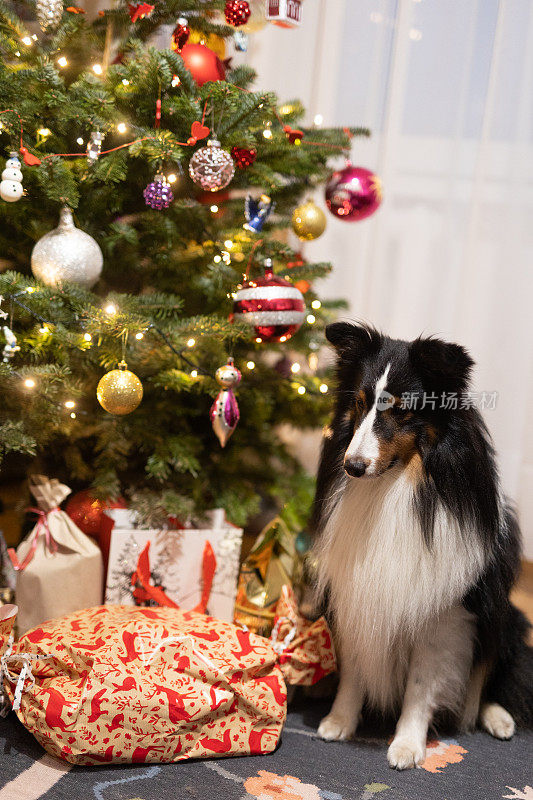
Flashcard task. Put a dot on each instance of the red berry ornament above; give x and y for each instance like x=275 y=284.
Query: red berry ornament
x=237 y=12
x=243 y=157
x=272 y=306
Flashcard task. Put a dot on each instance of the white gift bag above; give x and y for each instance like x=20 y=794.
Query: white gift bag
x=178 y=563
x=59 y=569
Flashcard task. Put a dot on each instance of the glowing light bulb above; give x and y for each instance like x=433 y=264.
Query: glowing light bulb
x=295 y=367
x=44 y=329
x=228 y=244
x=301 y=389
x=316 y=304
x=110 y=309
x=250 y=364
x=44 y=132
x=267 y=133
x=122 y=127
x=258 y=339
x=217 y=259
x=97 y=69
x=172 y=178
x=311 y=319
x=175 y=81
x=87 y=337
x=194 y=373
x=214 y=209
x=323 y=388
x=139 y=335
x=283 y=338
x=17 y=53
x=70 y=404
x=79 y=140
x=191 y=342
x=62 y=61
x=29 y=383
x=319 y=119
x=72 y=415
x=27 y=41
x=125 y=82
x=31 y=289
x=34 y=37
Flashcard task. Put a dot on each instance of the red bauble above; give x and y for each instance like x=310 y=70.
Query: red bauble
x=88 y=513
x=243 y=156
x=202 y=63
x=271 y=305
x=180 y=35
x=353 y=193
x=237 y=12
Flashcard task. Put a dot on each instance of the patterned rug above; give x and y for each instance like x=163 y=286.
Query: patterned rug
x=469 y=767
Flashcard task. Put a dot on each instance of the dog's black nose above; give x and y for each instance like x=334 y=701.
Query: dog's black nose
x=354 y=467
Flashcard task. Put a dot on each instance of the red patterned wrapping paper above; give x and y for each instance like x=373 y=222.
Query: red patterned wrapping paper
x=126 y=684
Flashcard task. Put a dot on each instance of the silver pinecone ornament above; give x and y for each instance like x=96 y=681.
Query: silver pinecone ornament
x=49 y=13
x=67 y=255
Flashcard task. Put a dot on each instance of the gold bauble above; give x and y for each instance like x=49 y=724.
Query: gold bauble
x=119 y=391
x=308 y=221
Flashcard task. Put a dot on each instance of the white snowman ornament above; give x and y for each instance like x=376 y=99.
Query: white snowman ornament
x=11 y=185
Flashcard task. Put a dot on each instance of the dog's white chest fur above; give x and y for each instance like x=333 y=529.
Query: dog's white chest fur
x=386 y=585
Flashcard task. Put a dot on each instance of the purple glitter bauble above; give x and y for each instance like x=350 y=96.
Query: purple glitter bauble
x=158 y=193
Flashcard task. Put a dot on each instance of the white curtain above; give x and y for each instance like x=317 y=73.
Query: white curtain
x=446 y=88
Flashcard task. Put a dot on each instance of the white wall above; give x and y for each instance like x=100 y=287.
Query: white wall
x=446 y=88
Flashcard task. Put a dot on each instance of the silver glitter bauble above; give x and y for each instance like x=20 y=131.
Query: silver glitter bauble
x=211 y=167
x=67 y=255
x=49 y=13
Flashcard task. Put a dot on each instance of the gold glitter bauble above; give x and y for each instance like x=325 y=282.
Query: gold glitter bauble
x=119 y=391
x=308 y=221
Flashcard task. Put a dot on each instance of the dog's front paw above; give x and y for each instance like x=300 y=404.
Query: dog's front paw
x=335 y=728
x=405 y=753
x=497 y=721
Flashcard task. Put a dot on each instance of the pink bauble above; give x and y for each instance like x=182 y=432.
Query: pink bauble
x=353 y=193
x=272 y=306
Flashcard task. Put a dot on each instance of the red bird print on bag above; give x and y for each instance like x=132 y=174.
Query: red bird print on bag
x=131 y=653
x=128 y=684
x=140 y=753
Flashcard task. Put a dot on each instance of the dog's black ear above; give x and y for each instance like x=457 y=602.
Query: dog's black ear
x=346 y=336
x=442 y=366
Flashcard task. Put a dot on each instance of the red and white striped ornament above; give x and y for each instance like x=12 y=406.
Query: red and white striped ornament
x=271 y=305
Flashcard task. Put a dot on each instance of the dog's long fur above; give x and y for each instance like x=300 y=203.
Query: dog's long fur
x=417 y=556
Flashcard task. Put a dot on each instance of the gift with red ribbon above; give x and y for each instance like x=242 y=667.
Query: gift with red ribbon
x=59 y=569
x=120 y=684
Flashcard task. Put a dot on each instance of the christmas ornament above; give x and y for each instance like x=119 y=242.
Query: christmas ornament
x=49 y=13
x=94 y=147
x=119 y=391
x=271 y=305
x=11 y=347
x=198 y=131
x=224 y=412
x=308 y=221
x=211 y=40
x=240 y=40
x=11 y=185
x=88 y=513
x=353 y=193
x=285 y=13
x=294 y=135
x=211 y=167
x=203 y=64
x=257 y=212
x=140 y=10
x=180 y=35
x=67 y=255
x=237 y=12
x=158 y=194
x=29 y=159
x=243 y=156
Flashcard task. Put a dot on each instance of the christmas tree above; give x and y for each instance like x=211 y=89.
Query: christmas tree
x=128 y=112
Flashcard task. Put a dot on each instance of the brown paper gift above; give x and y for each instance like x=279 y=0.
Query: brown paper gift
x=124 y=684
x=59 y=569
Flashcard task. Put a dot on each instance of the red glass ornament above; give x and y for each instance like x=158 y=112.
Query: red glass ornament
x=353 y=193
x=88 y=513
x=243 y=156
x=237 y=12
x=180 y=35
x=271 y=305
x=202 y=63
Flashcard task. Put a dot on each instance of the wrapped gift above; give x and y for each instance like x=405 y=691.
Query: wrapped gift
x=59 y=569
x=191 y=568
x=269 y=566
x=126 y=684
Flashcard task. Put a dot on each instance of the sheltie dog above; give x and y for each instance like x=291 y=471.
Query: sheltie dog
x=417 y=549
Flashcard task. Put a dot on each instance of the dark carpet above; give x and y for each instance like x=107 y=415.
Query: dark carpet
x=468 y=767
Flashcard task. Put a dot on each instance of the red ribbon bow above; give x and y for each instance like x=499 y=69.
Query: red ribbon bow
x=41 y=527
